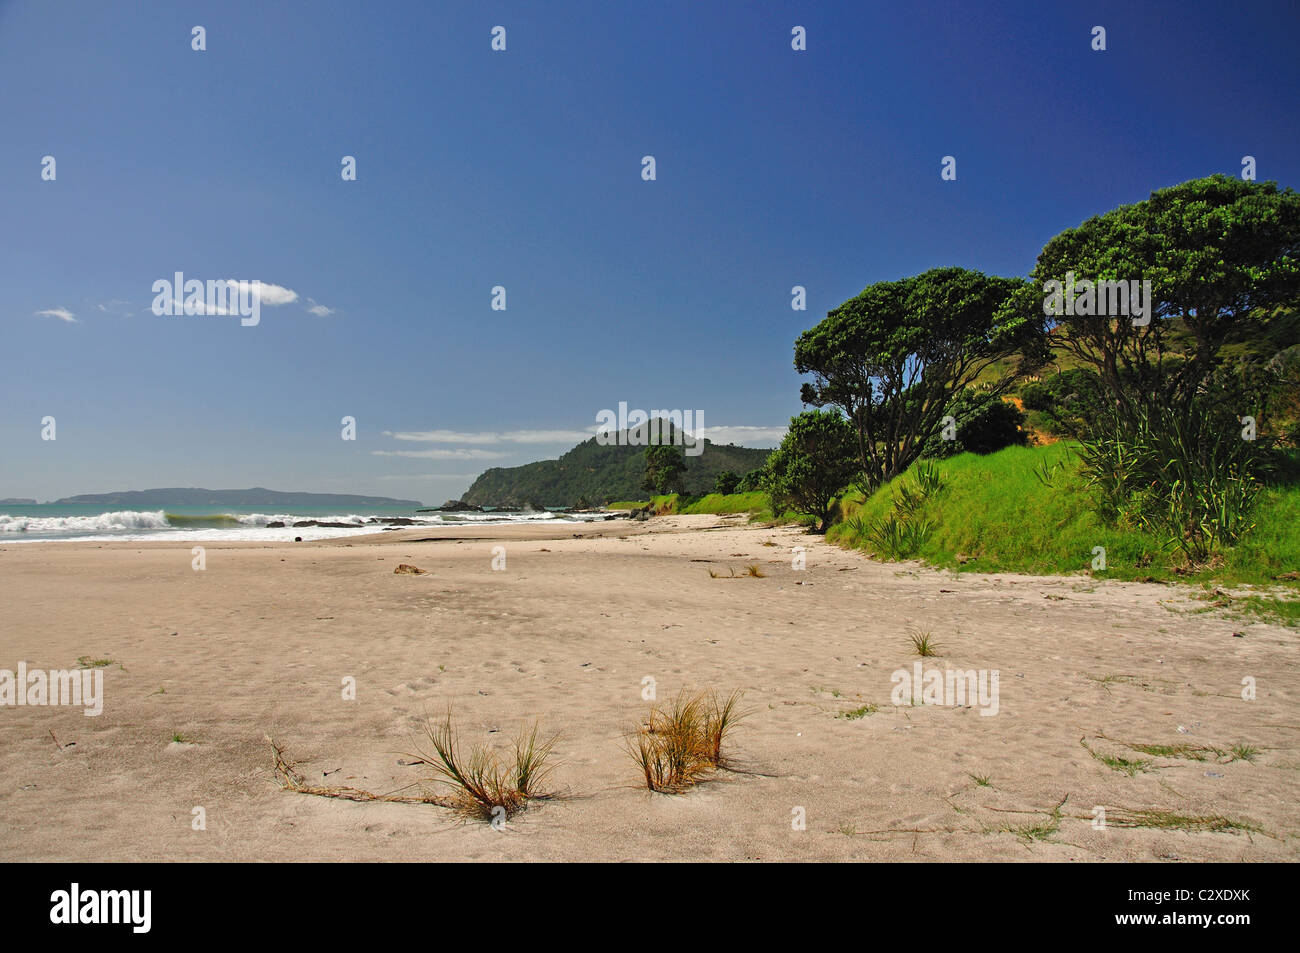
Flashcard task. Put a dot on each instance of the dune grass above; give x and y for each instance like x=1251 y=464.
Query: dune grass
x=923 y=643
x=681 y=742
x=483 y=784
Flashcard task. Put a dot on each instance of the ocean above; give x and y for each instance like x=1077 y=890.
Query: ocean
x=93 y=522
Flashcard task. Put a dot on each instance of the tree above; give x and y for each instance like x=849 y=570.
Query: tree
x=751 y=482
x=893 y=358
x=664 y=466
x=814 y=463
x=726 y=482
x=1213 y=249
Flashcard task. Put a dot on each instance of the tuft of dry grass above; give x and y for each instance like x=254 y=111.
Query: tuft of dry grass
x=754 y=571
x=483 y=784
x=681 y=742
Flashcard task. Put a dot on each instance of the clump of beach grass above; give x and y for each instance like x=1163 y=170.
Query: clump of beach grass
x=89 y=661
x=923 y=643
x=682 y=741
x=856 y=713
x=754 y=571
x=484 y=784
x=1116 y=763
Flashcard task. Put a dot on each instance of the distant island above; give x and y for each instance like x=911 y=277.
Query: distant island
x=17 y=501
x=255 y=496
x=591 y=474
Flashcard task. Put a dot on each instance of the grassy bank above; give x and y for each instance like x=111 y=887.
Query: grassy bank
x=714 y=503
x=1025 y=509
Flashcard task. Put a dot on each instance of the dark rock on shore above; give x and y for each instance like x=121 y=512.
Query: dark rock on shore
x=456 y=506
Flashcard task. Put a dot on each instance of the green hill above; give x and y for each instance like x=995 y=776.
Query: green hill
x=596 y=473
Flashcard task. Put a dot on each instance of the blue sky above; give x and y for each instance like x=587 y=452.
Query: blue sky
x=522 y=169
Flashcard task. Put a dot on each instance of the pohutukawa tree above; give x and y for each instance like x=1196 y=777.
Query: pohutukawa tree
x=1214 y=249
x=812 y=466
x=664 y=467
x=894 y=357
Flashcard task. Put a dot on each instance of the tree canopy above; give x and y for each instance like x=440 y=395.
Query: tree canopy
x=894 y=357
x=1214 y=249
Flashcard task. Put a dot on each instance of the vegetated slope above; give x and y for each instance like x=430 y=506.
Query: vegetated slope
x=595 y=474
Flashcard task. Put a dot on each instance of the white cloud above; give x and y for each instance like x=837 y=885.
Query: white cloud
x=492 y=437
x=744 y=435
x=271 y=294
x=63 y=314
x=457 y=454
x=198 y=307
x=319 y=309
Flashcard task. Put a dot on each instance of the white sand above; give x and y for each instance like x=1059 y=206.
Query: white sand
x=258 y=643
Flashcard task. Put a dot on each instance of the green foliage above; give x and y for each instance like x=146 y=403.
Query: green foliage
x=1066 y=402
x=1214 y=249
x=894 y=357
x=1188 y=482
x=726 y=482
x=813 y=464
x=664 y=466
x=750 y=482
x=984 y=423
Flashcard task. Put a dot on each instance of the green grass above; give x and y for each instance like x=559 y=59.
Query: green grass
x=856 y=713
x=755 y=504
x=923 y=643
x=994 y=514
x=87 y=661
x=1168 y=820
x=1116 y=763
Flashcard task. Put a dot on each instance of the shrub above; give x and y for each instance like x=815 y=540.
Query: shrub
x=1188 y=479
x=815 y=461
x=985 y=423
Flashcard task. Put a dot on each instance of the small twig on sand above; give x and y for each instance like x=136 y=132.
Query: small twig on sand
x=292 y=780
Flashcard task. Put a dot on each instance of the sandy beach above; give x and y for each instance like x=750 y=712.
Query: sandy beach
x=259 y=642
